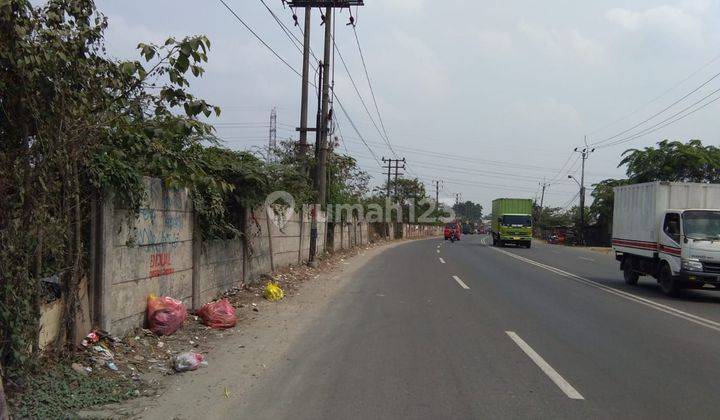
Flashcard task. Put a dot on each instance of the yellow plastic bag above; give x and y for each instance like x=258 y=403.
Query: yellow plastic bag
x=273 y=292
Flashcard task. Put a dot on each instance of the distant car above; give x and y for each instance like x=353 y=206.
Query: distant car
x=449 y=228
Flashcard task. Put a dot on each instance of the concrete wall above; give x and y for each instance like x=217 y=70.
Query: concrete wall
x=221 y=267
x=160 y=251
x=349 y=234
x=151 y=252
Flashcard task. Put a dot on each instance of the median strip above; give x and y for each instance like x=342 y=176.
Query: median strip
x=548 y=370
x=461 y=283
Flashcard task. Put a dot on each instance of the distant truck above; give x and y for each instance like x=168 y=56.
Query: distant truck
x=670 y=231
x=512 y=221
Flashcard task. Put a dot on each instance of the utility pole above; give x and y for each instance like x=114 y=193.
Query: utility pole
x=393 y=164
x=302 y=150
x=397 y=167
x=388 y=173
x=272 y=138
x=544 y=185
x=437 y=193
x=321 y=148
x=584 y=153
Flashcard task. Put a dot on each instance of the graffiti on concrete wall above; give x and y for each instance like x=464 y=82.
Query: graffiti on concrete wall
x=161 y=264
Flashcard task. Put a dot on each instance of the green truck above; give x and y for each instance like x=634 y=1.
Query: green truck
x=512 y=221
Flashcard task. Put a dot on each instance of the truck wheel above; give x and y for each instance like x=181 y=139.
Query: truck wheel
x=669 y=284
x=501 y=243
x=631 y=277
x=528 y=244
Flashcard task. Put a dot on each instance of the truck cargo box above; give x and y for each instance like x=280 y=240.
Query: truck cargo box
x=639 y=209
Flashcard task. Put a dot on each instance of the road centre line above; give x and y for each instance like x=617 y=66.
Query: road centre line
x=586 y=259
x=442 y=261
x=707 y=323
x=545 y=367
x=461 y=283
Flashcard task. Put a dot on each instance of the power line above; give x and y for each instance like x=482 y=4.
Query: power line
x=372 y=91
x=638 y=109
x=298 y=73
x=352 y=123
x=296 y=42
x=362 y=100
x=657 y=113
x=447 y=156
x=259 y=38
x=664 y=123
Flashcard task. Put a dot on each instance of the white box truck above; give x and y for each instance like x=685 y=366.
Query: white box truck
x=670 y=231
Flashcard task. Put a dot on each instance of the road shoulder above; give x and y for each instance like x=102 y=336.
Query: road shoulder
x=247 y=353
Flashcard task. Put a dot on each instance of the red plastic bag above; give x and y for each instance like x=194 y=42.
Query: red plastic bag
x=165 y=315
x=218 y=314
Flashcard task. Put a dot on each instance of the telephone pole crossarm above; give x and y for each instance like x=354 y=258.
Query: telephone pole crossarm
x=325 y=3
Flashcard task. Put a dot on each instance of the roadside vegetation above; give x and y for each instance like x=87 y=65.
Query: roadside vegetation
x=672 y=161
x=76 y=124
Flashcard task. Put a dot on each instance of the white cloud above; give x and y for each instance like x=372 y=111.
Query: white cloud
x=563 y=42
x=685 y=24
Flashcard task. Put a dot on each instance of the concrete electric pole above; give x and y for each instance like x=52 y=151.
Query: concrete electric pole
x=584 y=153
x=302 y=150
x=393 y=164
x=321 y=146
x=272 y=138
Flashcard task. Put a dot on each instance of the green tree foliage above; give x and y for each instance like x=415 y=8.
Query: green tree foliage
x=74 y=124
x=409 y=193
x=552 y=217
x=673 y=161
x=601 y=209
x=468 y=211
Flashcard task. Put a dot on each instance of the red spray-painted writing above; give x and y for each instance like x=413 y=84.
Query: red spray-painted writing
x=160 y=264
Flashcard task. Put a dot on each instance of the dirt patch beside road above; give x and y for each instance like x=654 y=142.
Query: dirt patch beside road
x=239 y=356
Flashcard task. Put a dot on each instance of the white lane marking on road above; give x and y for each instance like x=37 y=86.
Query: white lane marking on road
x=442 y=261
x=461 y=283
x=438 y=251
x=629 y=296
x=586 y=259
x=545 y=367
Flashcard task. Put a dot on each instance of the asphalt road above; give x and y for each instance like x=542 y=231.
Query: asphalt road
x=431 y=329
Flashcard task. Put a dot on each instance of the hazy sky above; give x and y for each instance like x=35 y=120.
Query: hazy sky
x=503 y=91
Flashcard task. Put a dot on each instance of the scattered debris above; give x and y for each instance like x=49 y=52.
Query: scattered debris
x=188 y=361
x=92 y=338
x=165 y=315
x=77 y=367
x=218 y=314
x=273 y=292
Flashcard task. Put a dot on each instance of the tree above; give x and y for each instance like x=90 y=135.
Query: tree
x=409 y=193
x=673 y=161
x=601 y=209
x=468 y=211
x=74 y=123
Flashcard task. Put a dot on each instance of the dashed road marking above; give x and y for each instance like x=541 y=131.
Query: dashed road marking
x=587 y=259
x=461 y=283
x=442 y=261
x=548 y=370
